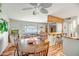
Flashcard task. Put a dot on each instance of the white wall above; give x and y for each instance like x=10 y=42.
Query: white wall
x=4 y=36
x=20 y=25
x=3 y=41
x=35 y=18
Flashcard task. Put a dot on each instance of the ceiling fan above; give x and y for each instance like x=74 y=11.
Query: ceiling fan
x=39 y=7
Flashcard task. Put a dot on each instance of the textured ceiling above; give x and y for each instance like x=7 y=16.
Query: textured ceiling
x=63 y=10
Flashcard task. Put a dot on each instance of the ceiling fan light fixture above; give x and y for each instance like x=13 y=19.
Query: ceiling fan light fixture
x=35 y=12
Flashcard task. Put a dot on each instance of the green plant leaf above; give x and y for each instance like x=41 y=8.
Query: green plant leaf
x=3 y=26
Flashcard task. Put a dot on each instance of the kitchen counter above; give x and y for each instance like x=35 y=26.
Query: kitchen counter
x=75 y=38
x=54 y=33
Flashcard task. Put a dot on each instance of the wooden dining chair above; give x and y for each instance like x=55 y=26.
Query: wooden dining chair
x=36 y=50
x=42 y=49
x=29 y=50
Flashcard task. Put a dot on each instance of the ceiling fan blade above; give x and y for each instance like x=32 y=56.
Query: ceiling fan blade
x=34 y=13
x=33 y=4
x=46 y=5
x=42 y=10
x=27 y=8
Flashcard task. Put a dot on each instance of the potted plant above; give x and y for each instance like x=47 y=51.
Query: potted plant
x=3 y=26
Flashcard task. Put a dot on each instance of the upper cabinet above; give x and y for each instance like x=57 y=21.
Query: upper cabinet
x=55 y=19
x=55 y=24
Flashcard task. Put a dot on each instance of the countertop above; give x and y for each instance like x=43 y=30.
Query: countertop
x=75 y=38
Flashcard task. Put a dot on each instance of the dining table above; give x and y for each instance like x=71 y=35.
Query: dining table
x=28 y=45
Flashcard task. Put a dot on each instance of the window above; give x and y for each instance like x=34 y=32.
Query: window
x=74 y=24
x=29 y=29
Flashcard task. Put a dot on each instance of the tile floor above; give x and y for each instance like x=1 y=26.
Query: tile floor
x=53 y=51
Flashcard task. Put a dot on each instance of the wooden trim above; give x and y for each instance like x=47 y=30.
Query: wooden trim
x=62 y=28
x=55 y=19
